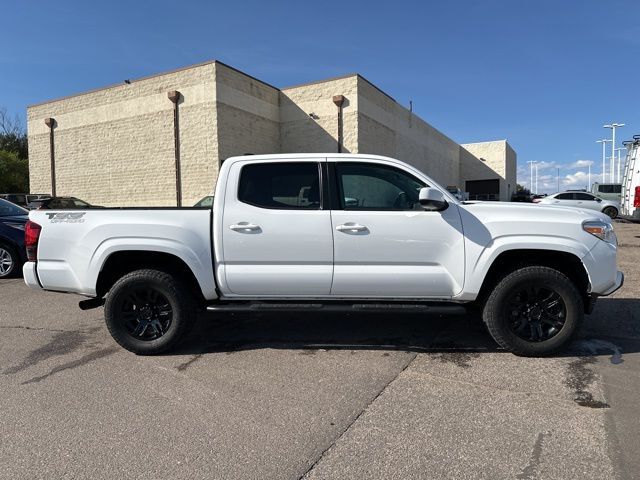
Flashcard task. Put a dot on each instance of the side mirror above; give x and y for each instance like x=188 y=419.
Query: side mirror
x=432 y=199
x=598 y=199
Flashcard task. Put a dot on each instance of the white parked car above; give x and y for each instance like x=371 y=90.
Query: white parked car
x=372 y=232
x=582 y=200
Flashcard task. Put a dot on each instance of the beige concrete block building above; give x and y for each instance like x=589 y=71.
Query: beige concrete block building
x=160 y=140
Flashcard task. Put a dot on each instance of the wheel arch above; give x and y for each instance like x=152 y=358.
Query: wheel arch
x=119 y=263
x=510 y=260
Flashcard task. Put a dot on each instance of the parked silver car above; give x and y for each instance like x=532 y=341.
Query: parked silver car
x=582 y=200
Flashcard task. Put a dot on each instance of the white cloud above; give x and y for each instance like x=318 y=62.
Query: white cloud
x=581 y=164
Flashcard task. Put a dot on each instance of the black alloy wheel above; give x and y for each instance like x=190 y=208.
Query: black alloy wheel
x=146 y=313
x=536 y=313
x=149 y=311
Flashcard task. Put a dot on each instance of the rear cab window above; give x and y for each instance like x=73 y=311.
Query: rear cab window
x=282 y=186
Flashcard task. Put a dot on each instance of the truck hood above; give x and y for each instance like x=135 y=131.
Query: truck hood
x=500 y=219
x=533 y=211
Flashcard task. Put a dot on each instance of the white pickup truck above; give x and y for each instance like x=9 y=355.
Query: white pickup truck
x=312 y=231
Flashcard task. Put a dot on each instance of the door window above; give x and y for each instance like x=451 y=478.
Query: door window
x=369 y=186
x=287 y=185
x=584 y=196
x=564 y=196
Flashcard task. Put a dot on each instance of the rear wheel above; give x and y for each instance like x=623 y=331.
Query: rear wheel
x=611 y=211
x=9 y=261
x=534 y=311
x=149 y=312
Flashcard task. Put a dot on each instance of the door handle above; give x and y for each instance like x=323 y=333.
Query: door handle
x=351 y=227
x=244 y=227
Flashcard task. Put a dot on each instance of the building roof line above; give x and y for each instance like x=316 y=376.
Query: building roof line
x=202 y=64
x=114 y=85
x=243 y=73
x=340 y=77
x=147 y=77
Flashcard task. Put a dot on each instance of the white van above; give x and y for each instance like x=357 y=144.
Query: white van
x=608 y=191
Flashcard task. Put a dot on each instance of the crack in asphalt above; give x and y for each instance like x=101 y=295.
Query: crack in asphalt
x=40 y=329
x=62 y=343
x=85 y=359
x=183 y=366
x=326 y=450
x=529 y=471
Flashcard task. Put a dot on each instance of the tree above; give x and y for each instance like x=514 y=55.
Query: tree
x=14 y=166
x=13 y=137
x=14 y=173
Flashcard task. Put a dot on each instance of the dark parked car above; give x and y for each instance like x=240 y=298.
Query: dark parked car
x=59 y=202
x=12 y=253
x=23 y=199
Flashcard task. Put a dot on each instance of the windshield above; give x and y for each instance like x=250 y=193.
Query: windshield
x=8 y=209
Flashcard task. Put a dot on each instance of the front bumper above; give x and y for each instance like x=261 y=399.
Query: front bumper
x=616 y=286
x=30 y=276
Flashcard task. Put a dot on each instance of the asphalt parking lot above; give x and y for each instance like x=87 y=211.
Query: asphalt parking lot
x=318 y=396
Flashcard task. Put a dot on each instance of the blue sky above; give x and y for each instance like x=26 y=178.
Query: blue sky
x=545 y=75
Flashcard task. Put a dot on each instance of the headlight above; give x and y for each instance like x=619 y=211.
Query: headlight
x=19 y=226
x=604 y=231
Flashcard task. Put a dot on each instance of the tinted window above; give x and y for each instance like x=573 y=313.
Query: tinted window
x=368 y=186
x=610 y=188
x=281 y=185
x=584 y=196
x=565 y=196
x=77 y=203
x=8 y=209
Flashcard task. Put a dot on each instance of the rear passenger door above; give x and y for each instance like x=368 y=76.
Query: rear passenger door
x=277 y=238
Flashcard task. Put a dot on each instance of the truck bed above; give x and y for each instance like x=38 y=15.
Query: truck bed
x=76 y=243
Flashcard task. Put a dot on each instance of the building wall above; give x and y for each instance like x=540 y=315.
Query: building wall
x=248 y=114
x=309 y=118
x=387 y=128
x=489 y=160
x=115 y=146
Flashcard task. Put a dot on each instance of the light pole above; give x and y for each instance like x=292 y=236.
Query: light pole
x=613 y=127
x=619 y=179
x=604 y=160
x=532 y=163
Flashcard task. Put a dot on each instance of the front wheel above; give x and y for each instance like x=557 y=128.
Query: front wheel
x=149 y=312
x=534 y=311
x=611 y=211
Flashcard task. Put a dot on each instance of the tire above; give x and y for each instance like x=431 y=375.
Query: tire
x=9 y=261
x=611 y=212
x=148 y=312
x=534 y=324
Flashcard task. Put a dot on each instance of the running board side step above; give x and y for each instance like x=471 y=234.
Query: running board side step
x=431 y=308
